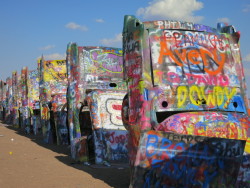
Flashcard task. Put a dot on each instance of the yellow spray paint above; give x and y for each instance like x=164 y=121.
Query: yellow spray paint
x=216 y=96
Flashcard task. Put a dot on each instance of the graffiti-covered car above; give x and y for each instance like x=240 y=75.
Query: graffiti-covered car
x=24 y=110
x=25 y=92
x=33 y=101
x=95 y=94
x=8 y=103
x=2 y=99
x=186 y=105
x=53 y=89
x=14 y=120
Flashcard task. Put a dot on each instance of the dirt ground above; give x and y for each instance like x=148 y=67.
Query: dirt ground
x=27 y=162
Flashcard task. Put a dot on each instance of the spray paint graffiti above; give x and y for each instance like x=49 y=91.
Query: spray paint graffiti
x=33 y=101
x=14 y=111
x=212 y=124
x=33 y=88
x=8 y=101
x=184 y=161
x=95 y=95
x=243 y=179
x=60 y=118
x=53 y=89
x=2 y=99
x=106 y=109
x=25 y=112
x=110 y=137
x=62 y=130
x=185 y=109
x=183 y=78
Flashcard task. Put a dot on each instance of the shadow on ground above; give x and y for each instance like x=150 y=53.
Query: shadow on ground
x=115 y=176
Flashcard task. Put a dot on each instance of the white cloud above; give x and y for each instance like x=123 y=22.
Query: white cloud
x=99 y=20
x=247 y=58
x=74 y=26
x=48 y=47
x=246 y=9
x=116 y=41
x=224 y=20
x=182 y=10
x=55 y=56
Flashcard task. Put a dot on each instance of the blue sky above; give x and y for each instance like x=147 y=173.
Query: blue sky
x=30 y=28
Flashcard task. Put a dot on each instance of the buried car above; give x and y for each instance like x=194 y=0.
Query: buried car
x=186 y=105
x=53 y=89
x=95 y=94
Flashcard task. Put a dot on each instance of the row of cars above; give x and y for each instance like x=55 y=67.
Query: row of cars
x=75 y=102
x=172 y=103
